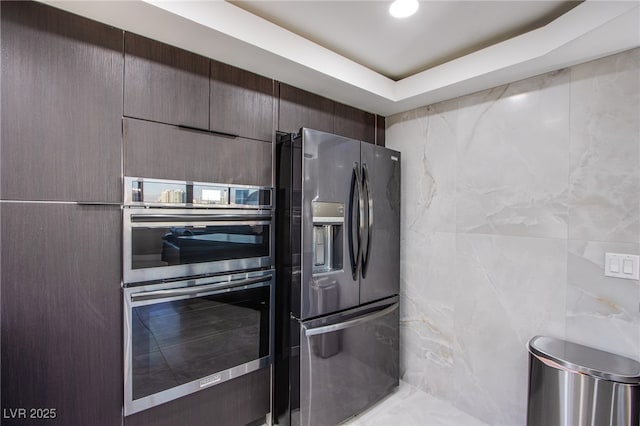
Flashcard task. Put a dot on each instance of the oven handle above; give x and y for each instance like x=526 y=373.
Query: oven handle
x=195 y=224
x=136 y=218
x=199 y=290
x=350 y=323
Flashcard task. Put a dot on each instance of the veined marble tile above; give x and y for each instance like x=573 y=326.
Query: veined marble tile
x=427 y=293
x=602 y=311
x=509 y=290
x=409 y=406
x=604 y=202
x=426 y=137
x=512 y=168
x=534 y=162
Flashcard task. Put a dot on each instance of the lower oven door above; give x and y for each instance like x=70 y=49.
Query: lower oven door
x=348 y=362
x=184 y=336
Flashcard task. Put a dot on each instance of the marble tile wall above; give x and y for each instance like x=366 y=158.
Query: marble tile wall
x=511 y=197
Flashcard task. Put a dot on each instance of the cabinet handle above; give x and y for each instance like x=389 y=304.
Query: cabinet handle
x=98 y=203
x=209 y=132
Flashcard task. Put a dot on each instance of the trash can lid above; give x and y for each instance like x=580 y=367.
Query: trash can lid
x=586 y=360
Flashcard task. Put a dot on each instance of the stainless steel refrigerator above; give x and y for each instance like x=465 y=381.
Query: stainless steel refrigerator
x=338 y=273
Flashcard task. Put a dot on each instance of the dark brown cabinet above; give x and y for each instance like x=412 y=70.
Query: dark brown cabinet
x=168 y=85
x=61 y=105
x=380 y=130
x=242 y=103
x=163 y=151
x=165 y=84
x=354 y=123
x=61 y=313
x=241 y=401
x=298 y=108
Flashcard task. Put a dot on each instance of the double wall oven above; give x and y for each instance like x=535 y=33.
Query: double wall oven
x=198 y=286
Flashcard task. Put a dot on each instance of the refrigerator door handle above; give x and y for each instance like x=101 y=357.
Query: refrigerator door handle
x=366 y=253
x=355 y=252
x=352 y=322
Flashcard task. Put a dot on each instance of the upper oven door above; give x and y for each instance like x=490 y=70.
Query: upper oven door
x=161 y=244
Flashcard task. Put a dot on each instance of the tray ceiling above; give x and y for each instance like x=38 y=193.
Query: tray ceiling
x=439 y=32
x=355 y=53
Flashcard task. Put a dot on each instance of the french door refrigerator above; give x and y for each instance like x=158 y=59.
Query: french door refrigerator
x=338 y=272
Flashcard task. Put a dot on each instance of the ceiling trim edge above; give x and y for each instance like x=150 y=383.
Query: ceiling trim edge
x=229 y=34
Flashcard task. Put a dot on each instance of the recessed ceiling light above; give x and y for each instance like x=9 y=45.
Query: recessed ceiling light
x=403 y=8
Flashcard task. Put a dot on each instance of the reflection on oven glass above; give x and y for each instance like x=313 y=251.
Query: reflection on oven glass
x=180 y=341
x=173 y=196
x=247 y=196
x=161 y=246
x=163 y=192
x=203 y=194
x=251 y=197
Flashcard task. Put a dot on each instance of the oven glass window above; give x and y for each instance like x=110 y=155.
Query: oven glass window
x=250 y=196
x=179 y=245
x=176 y=342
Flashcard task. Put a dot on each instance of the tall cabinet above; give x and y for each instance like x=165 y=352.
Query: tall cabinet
x=60 y=219
x=189 y=118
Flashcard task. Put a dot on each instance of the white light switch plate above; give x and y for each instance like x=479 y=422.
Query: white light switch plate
x=621 y=265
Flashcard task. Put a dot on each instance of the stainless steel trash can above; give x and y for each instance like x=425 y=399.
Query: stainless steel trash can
x=574 y=385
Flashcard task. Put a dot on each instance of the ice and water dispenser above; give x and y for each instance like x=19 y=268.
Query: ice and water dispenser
x=328 y=234
x=328 y=224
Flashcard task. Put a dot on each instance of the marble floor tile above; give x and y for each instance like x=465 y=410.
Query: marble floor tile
x=409 y=406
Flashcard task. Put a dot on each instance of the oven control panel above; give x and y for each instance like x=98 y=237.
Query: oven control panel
x=171 y=193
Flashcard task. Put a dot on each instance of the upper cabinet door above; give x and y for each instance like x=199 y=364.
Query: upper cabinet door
x=354 y=123
x=165 y=84
x=162 y=151
x=303 y=109
x=61 y=106
x=242 y=103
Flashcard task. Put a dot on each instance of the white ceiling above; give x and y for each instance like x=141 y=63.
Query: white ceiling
x=355 y=53
x=397 y=48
